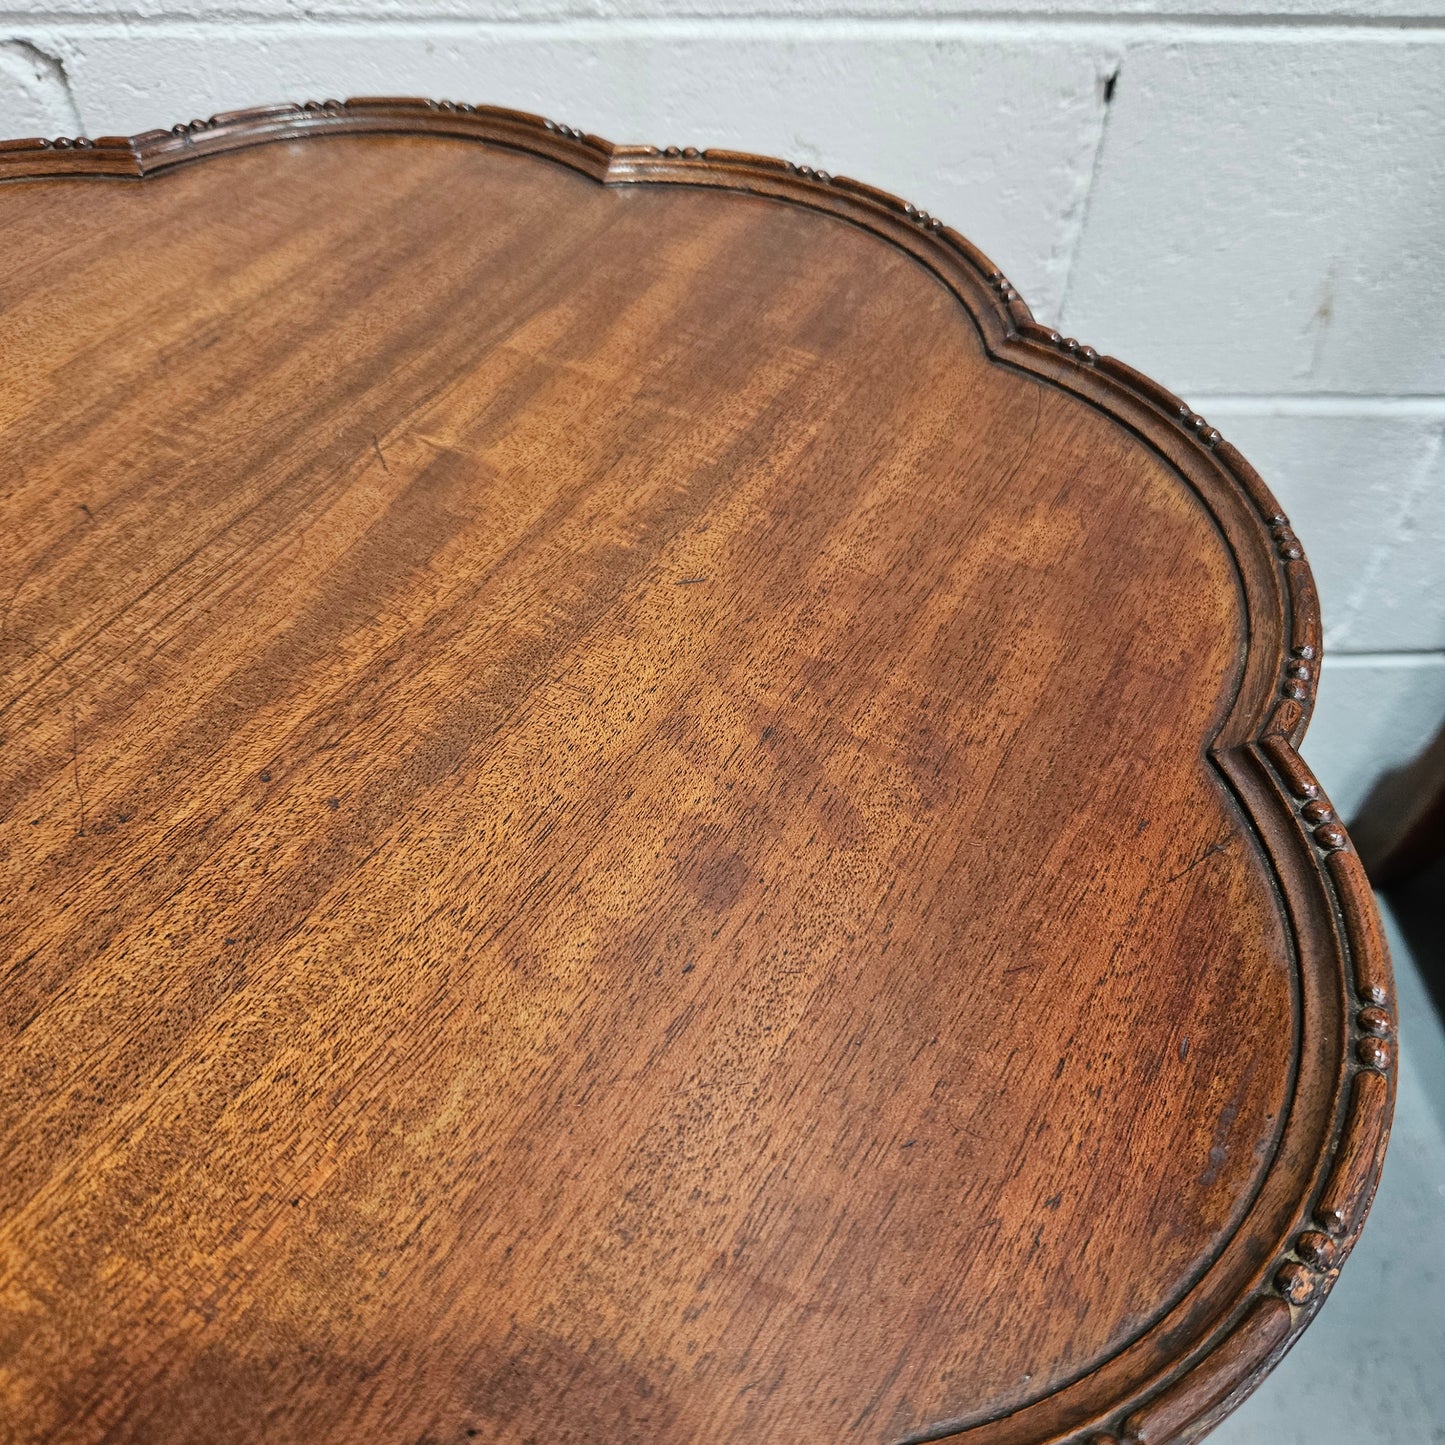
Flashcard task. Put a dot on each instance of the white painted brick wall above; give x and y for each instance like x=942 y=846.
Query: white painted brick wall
x=1253 y=211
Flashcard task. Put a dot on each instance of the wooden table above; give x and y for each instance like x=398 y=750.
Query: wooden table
x=636 y=812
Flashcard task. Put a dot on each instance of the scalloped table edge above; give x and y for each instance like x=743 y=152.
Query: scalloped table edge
x=1341 y=959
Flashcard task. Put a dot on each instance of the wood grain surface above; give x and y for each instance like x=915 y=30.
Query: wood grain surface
x=635 y=812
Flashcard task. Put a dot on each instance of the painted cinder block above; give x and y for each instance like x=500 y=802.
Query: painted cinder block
x=508 y=10
x=34 y=99
x=1267 y=215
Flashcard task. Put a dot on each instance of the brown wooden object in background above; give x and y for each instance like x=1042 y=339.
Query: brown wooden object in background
x=636 y=812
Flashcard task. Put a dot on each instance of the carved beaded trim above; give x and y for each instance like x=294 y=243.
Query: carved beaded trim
x=1298 y=672
x=1314 y=1253
x=1192 y=421
x=1286 y=544
x=1004 y=289
x=1372 y=1048
x=1312 y=1261
x=1314 y=809
x=1073 y=348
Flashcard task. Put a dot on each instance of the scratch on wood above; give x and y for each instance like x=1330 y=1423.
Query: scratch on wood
x=1204 y=857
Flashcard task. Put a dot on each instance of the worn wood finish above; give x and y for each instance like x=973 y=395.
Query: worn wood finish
x=636 y=812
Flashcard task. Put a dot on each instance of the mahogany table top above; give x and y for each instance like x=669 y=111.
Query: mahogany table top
x=635 y=810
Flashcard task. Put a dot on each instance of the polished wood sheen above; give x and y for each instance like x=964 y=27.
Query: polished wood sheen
x=635 y=810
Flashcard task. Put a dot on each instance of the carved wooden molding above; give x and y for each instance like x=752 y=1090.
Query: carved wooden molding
x=1294 y=1244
